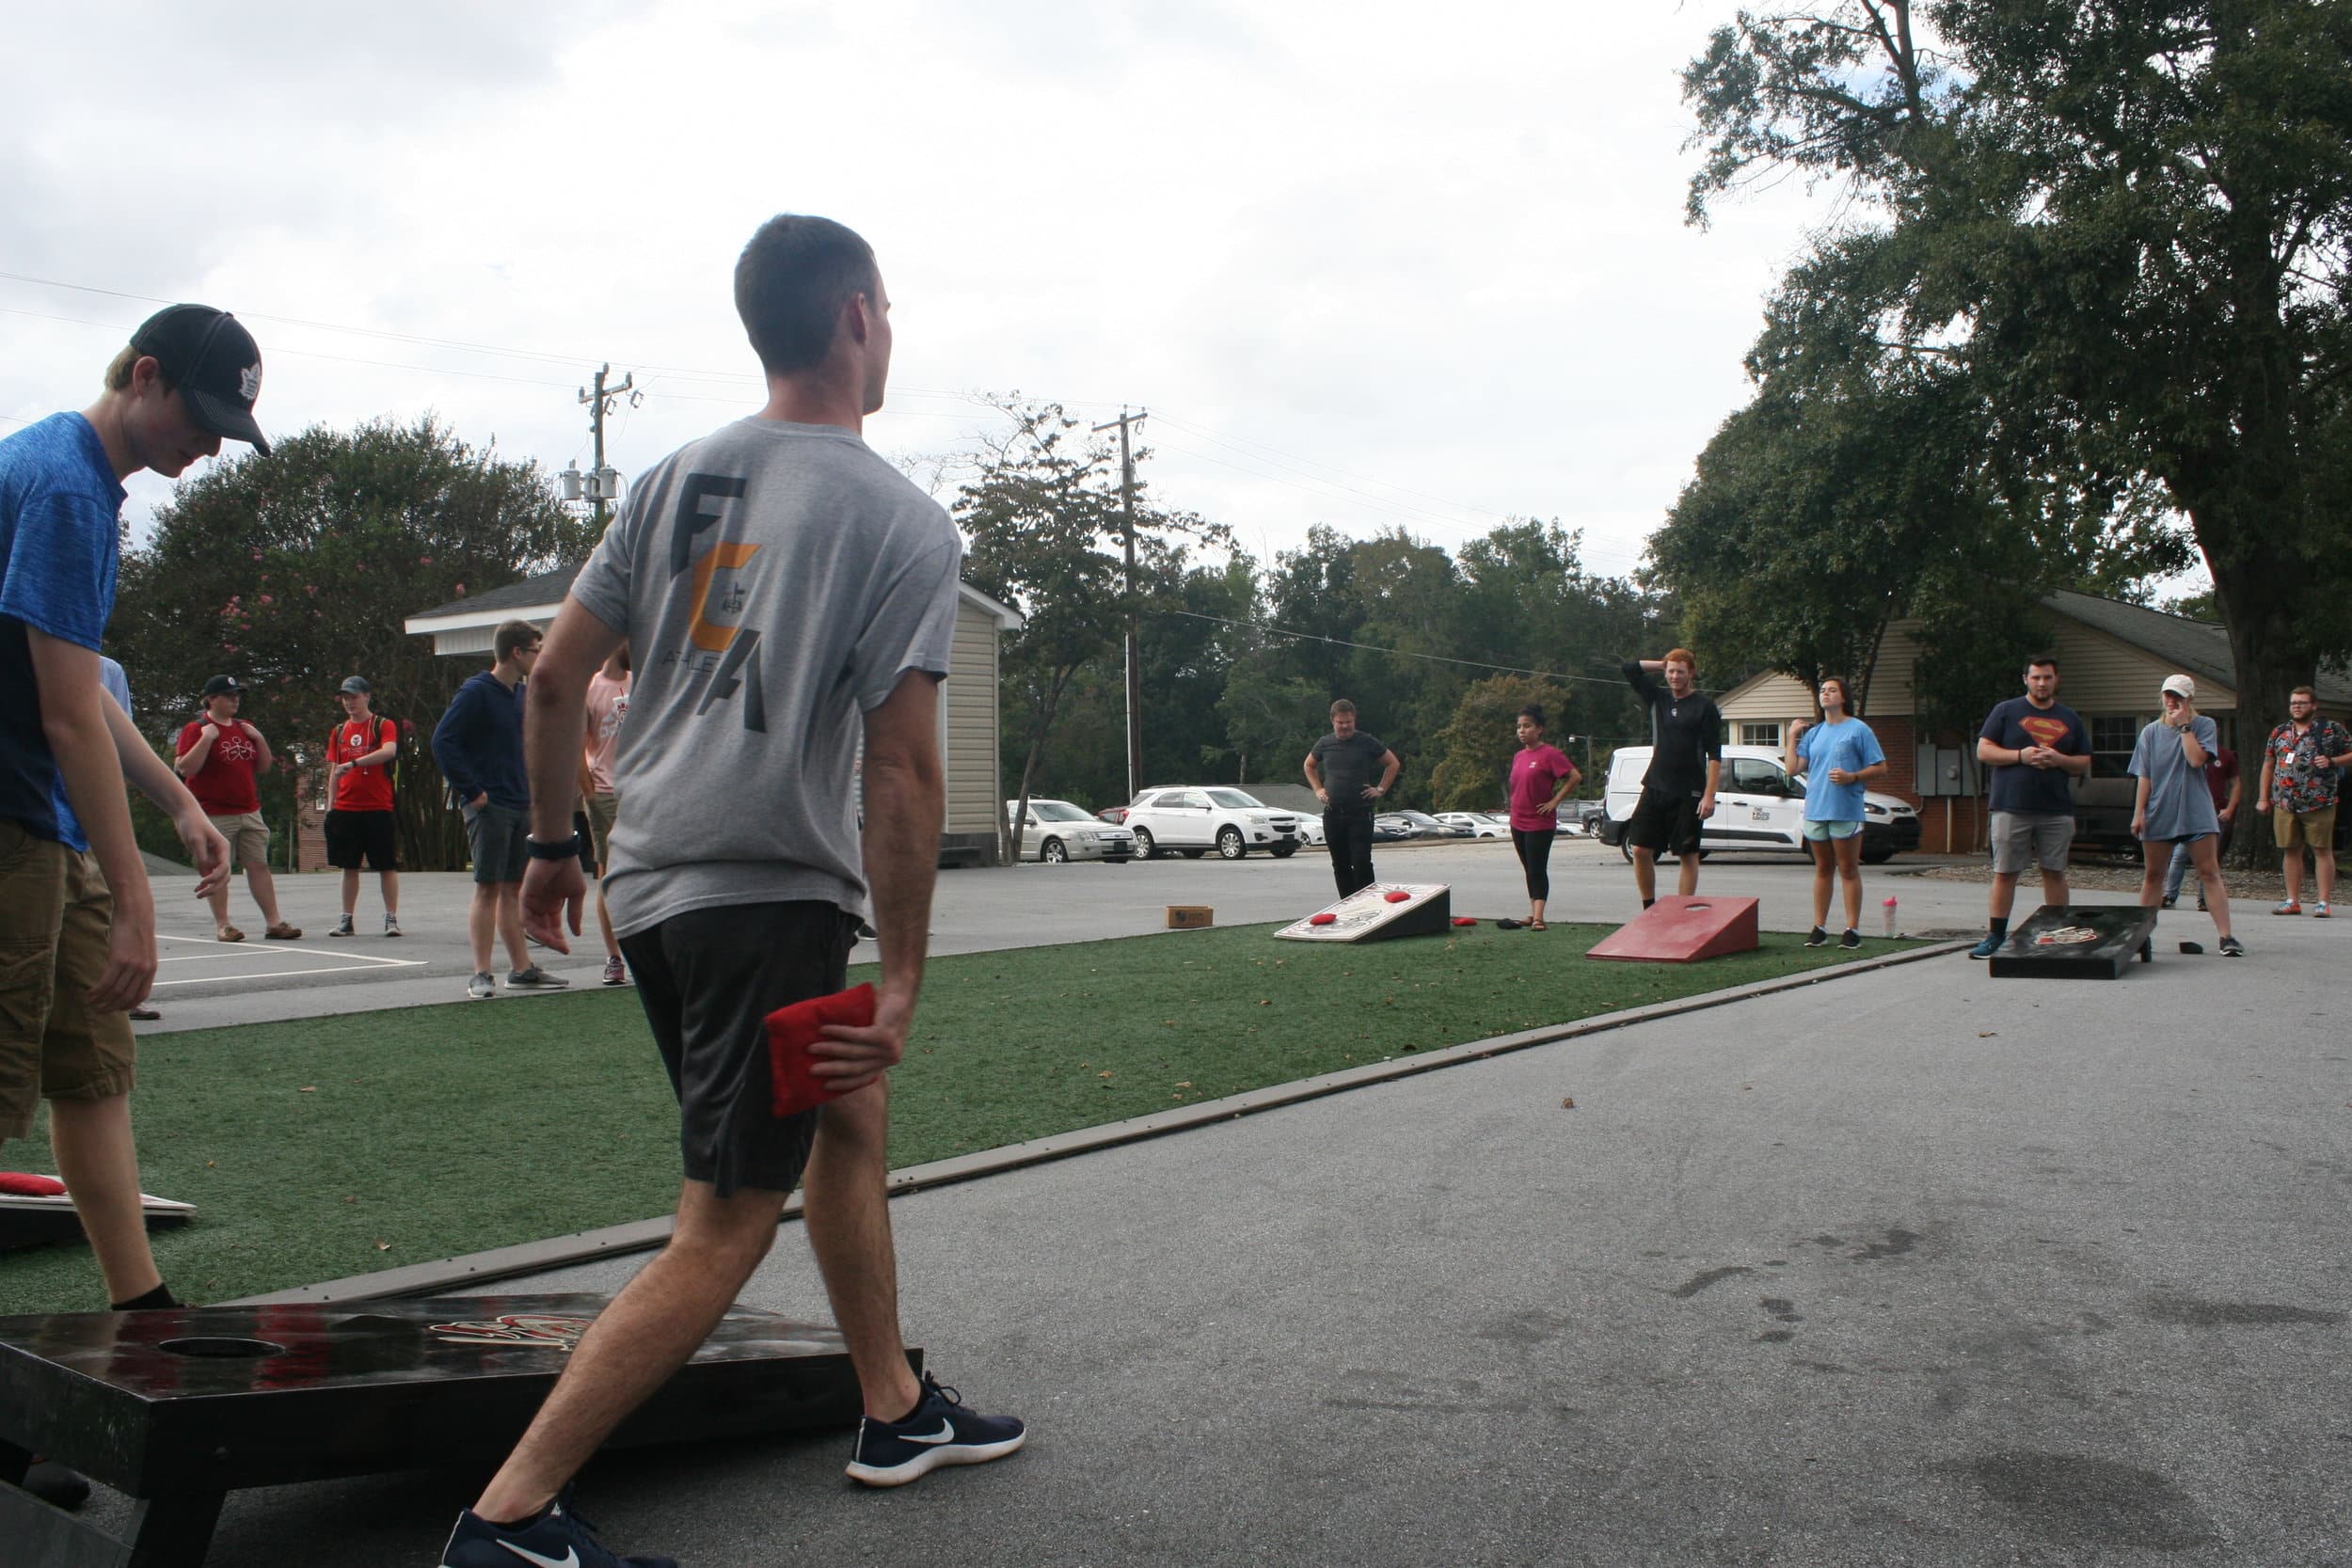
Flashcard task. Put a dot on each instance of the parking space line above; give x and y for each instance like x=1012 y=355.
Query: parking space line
x=283 y=974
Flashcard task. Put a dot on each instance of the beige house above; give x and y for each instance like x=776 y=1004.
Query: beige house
x=2112 y=661
x=967 y=706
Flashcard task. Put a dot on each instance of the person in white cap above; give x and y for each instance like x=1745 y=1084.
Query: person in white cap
x=2173 y=805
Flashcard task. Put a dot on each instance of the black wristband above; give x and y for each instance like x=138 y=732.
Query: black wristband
x=553 y=848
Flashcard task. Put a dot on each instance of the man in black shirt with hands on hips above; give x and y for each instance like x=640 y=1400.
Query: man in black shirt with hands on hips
x=1686 y=761
x=1340 y=767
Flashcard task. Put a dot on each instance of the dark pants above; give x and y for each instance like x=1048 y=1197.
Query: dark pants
x=1348 y=835
x=1535 y=859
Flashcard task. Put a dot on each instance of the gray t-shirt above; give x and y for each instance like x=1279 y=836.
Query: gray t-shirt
x=2180 y=805
x=774 y=580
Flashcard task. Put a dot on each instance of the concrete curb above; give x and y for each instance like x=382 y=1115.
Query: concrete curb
x=529 y=1257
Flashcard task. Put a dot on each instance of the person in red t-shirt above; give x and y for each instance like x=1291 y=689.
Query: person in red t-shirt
x=221 y=755
x=359 y=803
x=1541 y=778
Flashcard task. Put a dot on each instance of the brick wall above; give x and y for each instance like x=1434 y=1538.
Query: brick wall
x=310 y=823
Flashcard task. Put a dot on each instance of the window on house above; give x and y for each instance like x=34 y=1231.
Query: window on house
x=1767 y=734
x=2111 y=743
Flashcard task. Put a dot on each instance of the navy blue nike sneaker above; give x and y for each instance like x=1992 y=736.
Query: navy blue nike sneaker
x=941 y=1431
x=556 y=1538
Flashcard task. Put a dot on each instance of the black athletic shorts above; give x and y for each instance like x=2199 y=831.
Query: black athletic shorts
x=1664 y=824
x=708 y=980
x=357 y=836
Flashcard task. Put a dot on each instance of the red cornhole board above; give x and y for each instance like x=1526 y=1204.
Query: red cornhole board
x=1679 y=931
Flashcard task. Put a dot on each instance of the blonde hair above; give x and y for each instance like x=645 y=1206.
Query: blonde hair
x=119 y=368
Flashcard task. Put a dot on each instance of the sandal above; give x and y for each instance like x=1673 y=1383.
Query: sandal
x=283 y=932
x=1537 y=926
x=1509 y=925
x=228 y=933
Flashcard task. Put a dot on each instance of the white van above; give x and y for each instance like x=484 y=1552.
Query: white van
x=1758 y=807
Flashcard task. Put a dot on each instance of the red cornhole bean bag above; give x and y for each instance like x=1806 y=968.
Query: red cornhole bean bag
x=18 y=1184
x=792 y=1030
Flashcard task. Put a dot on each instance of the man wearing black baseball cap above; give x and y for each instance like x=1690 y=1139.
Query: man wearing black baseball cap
x=212 y=361
x=75 y=904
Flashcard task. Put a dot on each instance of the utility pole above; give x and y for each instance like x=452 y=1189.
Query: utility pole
x=1134 y=664
x=600 y=484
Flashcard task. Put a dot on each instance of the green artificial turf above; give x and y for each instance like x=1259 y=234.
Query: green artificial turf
x=316 y=1149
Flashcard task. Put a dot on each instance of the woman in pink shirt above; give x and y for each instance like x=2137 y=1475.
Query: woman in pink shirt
x=1541 y=778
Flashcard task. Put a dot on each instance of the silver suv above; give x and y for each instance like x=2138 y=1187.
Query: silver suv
x=1196 y=819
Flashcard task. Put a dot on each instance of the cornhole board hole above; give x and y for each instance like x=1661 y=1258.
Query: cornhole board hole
x=2075 y=941
x=43 y=1220
x=178 y=1408
x=1679 y=931
x=1369 y=916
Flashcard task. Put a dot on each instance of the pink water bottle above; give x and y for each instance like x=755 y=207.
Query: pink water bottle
x=1890 y=914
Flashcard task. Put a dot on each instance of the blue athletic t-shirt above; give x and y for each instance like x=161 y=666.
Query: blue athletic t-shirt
x=1849 y=745
x=59 y=501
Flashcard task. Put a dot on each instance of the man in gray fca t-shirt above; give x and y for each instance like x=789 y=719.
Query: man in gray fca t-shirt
x=784 y=592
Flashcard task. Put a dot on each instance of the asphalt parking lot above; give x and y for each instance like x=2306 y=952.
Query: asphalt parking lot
x=1911 y=1267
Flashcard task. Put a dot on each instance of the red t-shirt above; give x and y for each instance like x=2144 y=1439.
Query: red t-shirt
x=224 y=785
x=1535 y=773
x=367 y=788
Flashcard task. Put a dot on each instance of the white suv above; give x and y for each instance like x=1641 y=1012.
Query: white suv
x=1195 y=820
x=1758 y=806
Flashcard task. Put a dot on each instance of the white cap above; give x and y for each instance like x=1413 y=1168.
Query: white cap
x=2181 y=686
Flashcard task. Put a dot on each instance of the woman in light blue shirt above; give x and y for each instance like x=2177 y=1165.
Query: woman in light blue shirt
x=1835 y=758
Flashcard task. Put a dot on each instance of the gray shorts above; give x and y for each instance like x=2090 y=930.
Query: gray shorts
x=497 y=835
x=2022 y=838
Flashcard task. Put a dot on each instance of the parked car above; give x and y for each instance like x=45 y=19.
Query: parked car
x=1116 y=816
x=1056 y=831
x=1758 y=806
x=1587 y=816
x=1394 y=823
x=1309 y=831
x=1192 y=821
x=1417 y=824
x=1482 y=824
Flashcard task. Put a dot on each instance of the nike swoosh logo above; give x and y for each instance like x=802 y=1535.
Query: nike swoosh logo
x=947 y=1433
x=569 y=1560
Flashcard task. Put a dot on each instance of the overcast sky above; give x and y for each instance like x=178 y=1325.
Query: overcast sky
x=1367 y=264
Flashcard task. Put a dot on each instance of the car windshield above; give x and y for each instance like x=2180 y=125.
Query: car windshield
x=1235 y=797
x=1417 y=817
x=1058 y=811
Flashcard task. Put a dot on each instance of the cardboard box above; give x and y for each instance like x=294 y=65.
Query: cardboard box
x=1190 y=917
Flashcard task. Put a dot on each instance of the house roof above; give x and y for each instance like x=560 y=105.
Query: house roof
x=2198 y=647
x=537 y=598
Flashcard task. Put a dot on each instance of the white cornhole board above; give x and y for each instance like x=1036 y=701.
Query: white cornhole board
x=39 y=1221
x=1368 y=915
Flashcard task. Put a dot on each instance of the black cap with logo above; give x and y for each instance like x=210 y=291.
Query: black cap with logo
x=223 y=686
x=213 y=361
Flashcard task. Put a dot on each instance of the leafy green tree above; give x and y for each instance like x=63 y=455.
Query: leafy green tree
x=296 y=570
x=2128 y=225
x=1474 y=750
x=1044 y=516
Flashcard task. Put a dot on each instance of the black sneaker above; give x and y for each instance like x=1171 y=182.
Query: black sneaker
x=2233 y=948
x=1816 y=938
x=1852 y=941
x=534 y=978
x=941 y=1431
x=557 y=1538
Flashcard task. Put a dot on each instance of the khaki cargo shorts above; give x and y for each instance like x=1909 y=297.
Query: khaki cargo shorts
x=602 y=809
x=249 y=840
x=54 y=916
x=2297 y=830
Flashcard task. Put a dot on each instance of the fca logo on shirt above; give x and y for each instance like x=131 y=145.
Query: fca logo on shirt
x=739 y=668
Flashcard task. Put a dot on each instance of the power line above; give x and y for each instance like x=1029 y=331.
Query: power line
x=1395 y=653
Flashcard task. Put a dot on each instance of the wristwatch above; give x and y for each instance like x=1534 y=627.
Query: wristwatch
x=553 y=848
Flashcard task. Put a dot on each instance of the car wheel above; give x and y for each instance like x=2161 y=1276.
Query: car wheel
x=1284 y=851
x=1144 y=848
x=1052 y=852
x=1625 y=847
x=1229 y=844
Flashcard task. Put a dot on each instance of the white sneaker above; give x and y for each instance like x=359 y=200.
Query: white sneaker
x=482 y=988
x=391 y=926
x=342 y=927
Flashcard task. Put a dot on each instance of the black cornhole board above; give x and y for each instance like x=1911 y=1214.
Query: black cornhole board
x=175 y=1410
x=2123 y=930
